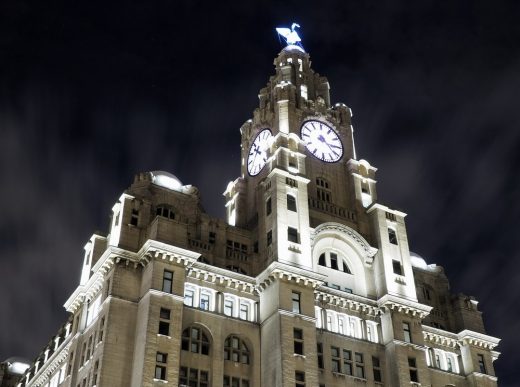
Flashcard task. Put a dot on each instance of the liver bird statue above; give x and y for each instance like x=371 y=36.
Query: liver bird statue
x=291 y=36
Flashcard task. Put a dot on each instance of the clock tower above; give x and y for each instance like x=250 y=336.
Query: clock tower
x=307 y=282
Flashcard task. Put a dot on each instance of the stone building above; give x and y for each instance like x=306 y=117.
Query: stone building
x=308 y=282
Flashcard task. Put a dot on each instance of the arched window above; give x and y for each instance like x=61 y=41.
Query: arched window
x=333 y=261
x=236 y=350
x=195 y=340
x=165 y=211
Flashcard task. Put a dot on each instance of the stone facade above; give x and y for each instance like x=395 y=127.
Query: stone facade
x=308 y=282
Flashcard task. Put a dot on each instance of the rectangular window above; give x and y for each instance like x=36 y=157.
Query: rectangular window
x=164 y=328
x=211 y=237
x=71 y=363
x=268 y=207
x=298 y=341
x=481 y=364
x=101 y=329
x=396 y=266
x=414 y=377
x=296 y=302
x=194 y=378
x=95 y=374
x=299 y=376
x=335 y=359
x=269 y=237
x=167 y=281
x=160 y=368
x=320 y=355
x=376 y=366
x=360 y=366
x=228 y=307
x=134 y=218
x=164 y=323
x=392 y=237
x=291 y=203
x=204 y=301
x=333 y=261
x=188 y=297
x=244 y=311
x=407 y=333
x=347 y=362
x=292 y=234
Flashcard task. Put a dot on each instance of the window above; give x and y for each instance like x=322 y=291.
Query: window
x=164 y=323
x=204 y=301
x=335 y=359
x=396 y=266
x=299 y=376
x=167 y=281
x=235 y=350
x=449 y=363
x=360 y=366
x=268 y=207
x=481 y=364
x=244 y=311
x=376 y=366
x=212 y=237
x=321 y=260
x=392 y=237
x=134 y=218
x=228 y=307
x=407 y=332
x=323 y=191
x=101 y=329
x=83 y=353
x=89 y=346
x=292 y=234
x=188 y=297
x=71 y=363
x=165 y=212
x=298 y=341
x=437 y=360
x=95 y=374
x=235 y=382
x=194 y=340
x=345 y=268
x=269 y=237
x=193 y=377
x=333 y=261
x=320 y=355
x=160 y=366
x=291 y=203
x=414 y=377
x=347 y=362
x=341 y=326
x=296 y=302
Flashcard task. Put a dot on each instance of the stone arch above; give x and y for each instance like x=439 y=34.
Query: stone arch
x=352 y=247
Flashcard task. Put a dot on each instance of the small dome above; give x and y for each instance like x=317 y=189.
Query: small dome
x=418 y=261
x=17 y=365
x=166 y=180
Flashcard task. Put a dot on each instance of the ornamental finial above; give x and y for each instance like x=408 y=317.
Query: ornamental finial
x=292 y=39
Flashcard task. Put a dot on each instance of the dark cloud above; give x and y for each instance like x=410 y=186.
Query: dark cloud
x=92 y=94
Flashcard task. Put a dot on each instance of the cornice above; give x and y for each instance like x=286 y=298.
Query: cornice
x=481 y=340
x=351 y=302
x=279 y=270
x=401 y=305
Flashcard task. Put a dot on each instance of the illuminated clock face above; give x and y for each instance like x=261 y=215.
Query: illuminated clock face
x=258 y=152
x=322 y=141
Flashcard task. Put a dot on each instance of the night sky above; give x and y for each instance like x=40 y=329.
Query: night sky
x=91 y=94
